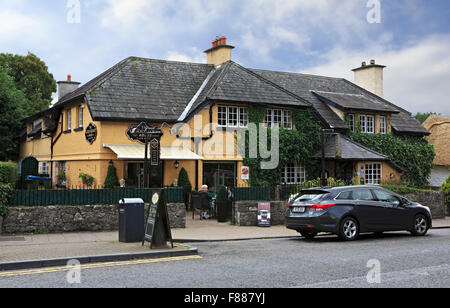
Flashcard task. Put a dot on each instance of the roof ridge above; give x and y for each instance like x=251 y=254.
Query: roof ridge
x=297 y=73
x=168 y=61
x=273 y=84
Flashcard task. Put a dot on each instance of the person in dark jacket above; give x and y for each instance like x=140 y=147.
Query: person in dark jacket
x=205 y=201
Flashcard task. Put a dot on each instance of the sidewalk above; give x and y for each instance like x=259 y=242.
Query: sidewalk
x=71 y=245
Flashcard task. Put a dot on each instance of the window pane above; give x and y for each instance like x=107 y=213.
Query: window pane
x=69 y=119
x=80 y=116
x=383 y=127
x=363 y=124
x=352 y=122
x=363 y=194
x=268 y=119
x=277 y=118
x=232 y=116
x=287 y=121
x=370 y=124
x=222 y=119
x=243 y=117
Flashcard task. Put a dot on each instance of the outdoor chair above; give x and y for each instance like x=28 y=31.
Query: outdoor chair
x=196 y=205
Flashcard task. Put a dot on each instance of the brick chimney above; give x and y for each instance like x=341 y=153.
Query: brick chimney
x=220 y=52
x=370 y=77
x=66 y=87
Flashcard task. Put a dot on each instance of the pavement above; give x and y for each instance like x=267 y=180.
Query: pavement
x=43 y=250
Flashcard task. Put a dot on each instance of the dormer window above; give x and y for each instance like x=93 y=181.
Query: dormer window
x=367 y=123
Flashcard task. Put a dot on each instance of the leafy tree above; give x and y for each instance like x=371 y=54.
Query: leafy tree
x=111 y=180
x=422 y=117
x=12 y=105
x=30 y=75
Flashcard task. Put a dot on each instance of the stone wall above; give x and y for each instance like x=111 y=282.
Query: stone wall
x=94 y=218
x=435 y=200
x=246 y=213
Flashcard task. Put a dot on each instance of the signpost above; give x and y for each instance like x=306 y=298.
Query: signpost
x=145 y=134
x=157 y=229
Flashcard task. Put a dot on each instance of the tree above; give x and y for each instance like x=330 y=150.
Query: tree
x=183 y=179
x=111 y=180
x=30 y=75
x=12 y=105
x=422 y=117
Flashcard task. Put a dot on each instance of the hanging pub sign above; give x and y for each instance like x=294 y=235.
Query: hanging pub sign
x=157 y=229
x=91 y=133
x=139 y=133
x=155 y=151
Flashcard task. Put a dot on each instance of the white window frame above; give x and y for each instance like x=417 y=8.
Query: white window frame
x=279 y=118
x=69 y=119
x=383 y=125
x=80 y=116
x=352 y=125
x=367 y=124
x=293 y=174
x=233 y=116
x=373 y=173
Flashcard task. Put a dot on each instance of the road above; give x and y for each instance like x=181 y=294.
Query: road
x=404 y=261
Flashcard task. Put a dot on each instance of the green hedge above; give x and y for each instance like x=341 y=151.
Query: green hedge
x=402 y=189
x=5 y=197
x=8 y=173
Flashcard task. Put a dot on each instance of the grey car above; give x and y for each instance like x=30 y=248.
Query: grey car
x=352 y=210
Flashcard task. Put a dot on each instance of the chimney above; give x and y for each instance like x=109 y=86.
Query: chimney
x=370 y=77
x=220 y=52
x=66 y=87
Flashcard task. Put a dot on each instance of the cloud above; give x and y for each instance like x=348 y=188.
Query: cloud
x=416 y=77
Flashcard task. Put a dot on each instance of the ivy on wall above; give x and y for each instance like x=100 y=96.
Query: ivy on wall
x=414 y=154
x=295 y=146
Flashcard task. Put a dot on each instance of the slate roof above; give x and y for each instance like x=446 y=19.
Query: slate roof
x=354 y=102
x=343 y=148
x=139 y=89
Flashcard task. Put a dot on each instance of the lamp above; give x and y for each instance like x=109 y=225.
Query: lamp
x=177 y=164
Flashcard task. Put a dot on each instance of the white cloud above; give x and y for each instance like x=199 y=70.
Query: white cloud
x=416 y=77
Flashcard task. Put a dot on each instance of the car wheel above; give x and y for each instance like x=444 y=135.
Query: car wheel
x=308 y=234
x=349 y=230
x=421 y=226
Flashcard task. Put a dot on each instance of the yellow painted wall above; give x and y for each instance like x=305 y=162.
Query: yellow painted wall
x=388 y=172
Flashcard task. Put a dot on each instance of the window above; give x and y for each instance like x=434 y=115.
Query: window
x=363 y=195
x=44 y=168
x=373 y=174
x=383 y=125
x=345 y=195
x=367 y=123
x=293 y=174
x=69 y=119
x=384 y=196
x=278 y=117
x=229 y=116
x=80 y=116
x=351 y=119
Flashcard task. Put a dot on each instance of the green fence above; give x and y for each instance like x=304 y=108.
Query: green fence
x=251 y=193
x=88 y=196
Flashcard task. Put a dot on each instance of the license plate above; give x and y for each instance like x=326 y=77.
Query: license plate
x=301 y=209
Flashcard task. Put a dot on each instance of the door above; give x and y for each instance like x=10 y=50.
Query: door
x=218 y=174
x=397 y=215
x=136 y=175
x=371 y=212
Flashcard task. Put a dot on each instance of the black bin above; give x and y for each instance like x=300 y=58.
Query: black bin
x=131 y=220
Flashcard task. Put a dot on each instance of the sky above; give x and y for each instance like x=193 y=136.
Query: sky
x=324 y=37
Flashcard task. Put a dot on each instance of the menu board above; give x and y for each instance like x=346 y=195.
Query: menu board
x=157 y=230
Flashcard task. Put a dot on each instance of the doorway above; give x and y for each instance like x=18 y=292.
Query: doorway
x=216 y=174
x=135 y=175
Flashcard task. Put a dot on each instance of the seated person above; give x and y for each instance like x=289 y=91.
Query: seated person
x=205 y=201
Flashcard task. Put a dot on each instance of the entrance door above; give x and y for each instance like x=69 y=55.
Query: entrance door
x=218 y=174
x=136 y=175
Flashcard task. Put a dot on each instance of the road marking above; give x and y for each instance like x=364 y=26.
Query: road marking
x=97 y=265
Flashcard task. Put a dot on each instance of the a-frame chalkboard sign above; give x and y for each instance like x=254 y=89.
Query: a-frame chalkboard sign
x=157 y=229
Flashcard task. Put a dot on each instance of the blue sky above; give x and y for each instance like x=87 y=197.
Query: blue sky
x=326 y=37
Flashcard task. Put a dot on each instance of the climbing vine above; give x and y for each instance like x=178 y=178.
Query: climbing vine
x=414 y=154
x=298 y=145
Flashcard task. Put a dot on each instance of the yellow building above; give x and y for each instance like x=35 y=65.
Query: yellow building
x=200 y=109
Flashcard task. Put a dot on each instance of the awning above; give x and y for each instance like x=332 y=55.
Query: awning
x=137 y=151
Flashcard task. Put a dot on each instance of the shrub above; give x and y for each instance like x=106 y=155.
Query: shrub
x=183 y=179
x=402 y=189
x=111 y=180
x=5 y=197
x=446 y=189
x=8 y=173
